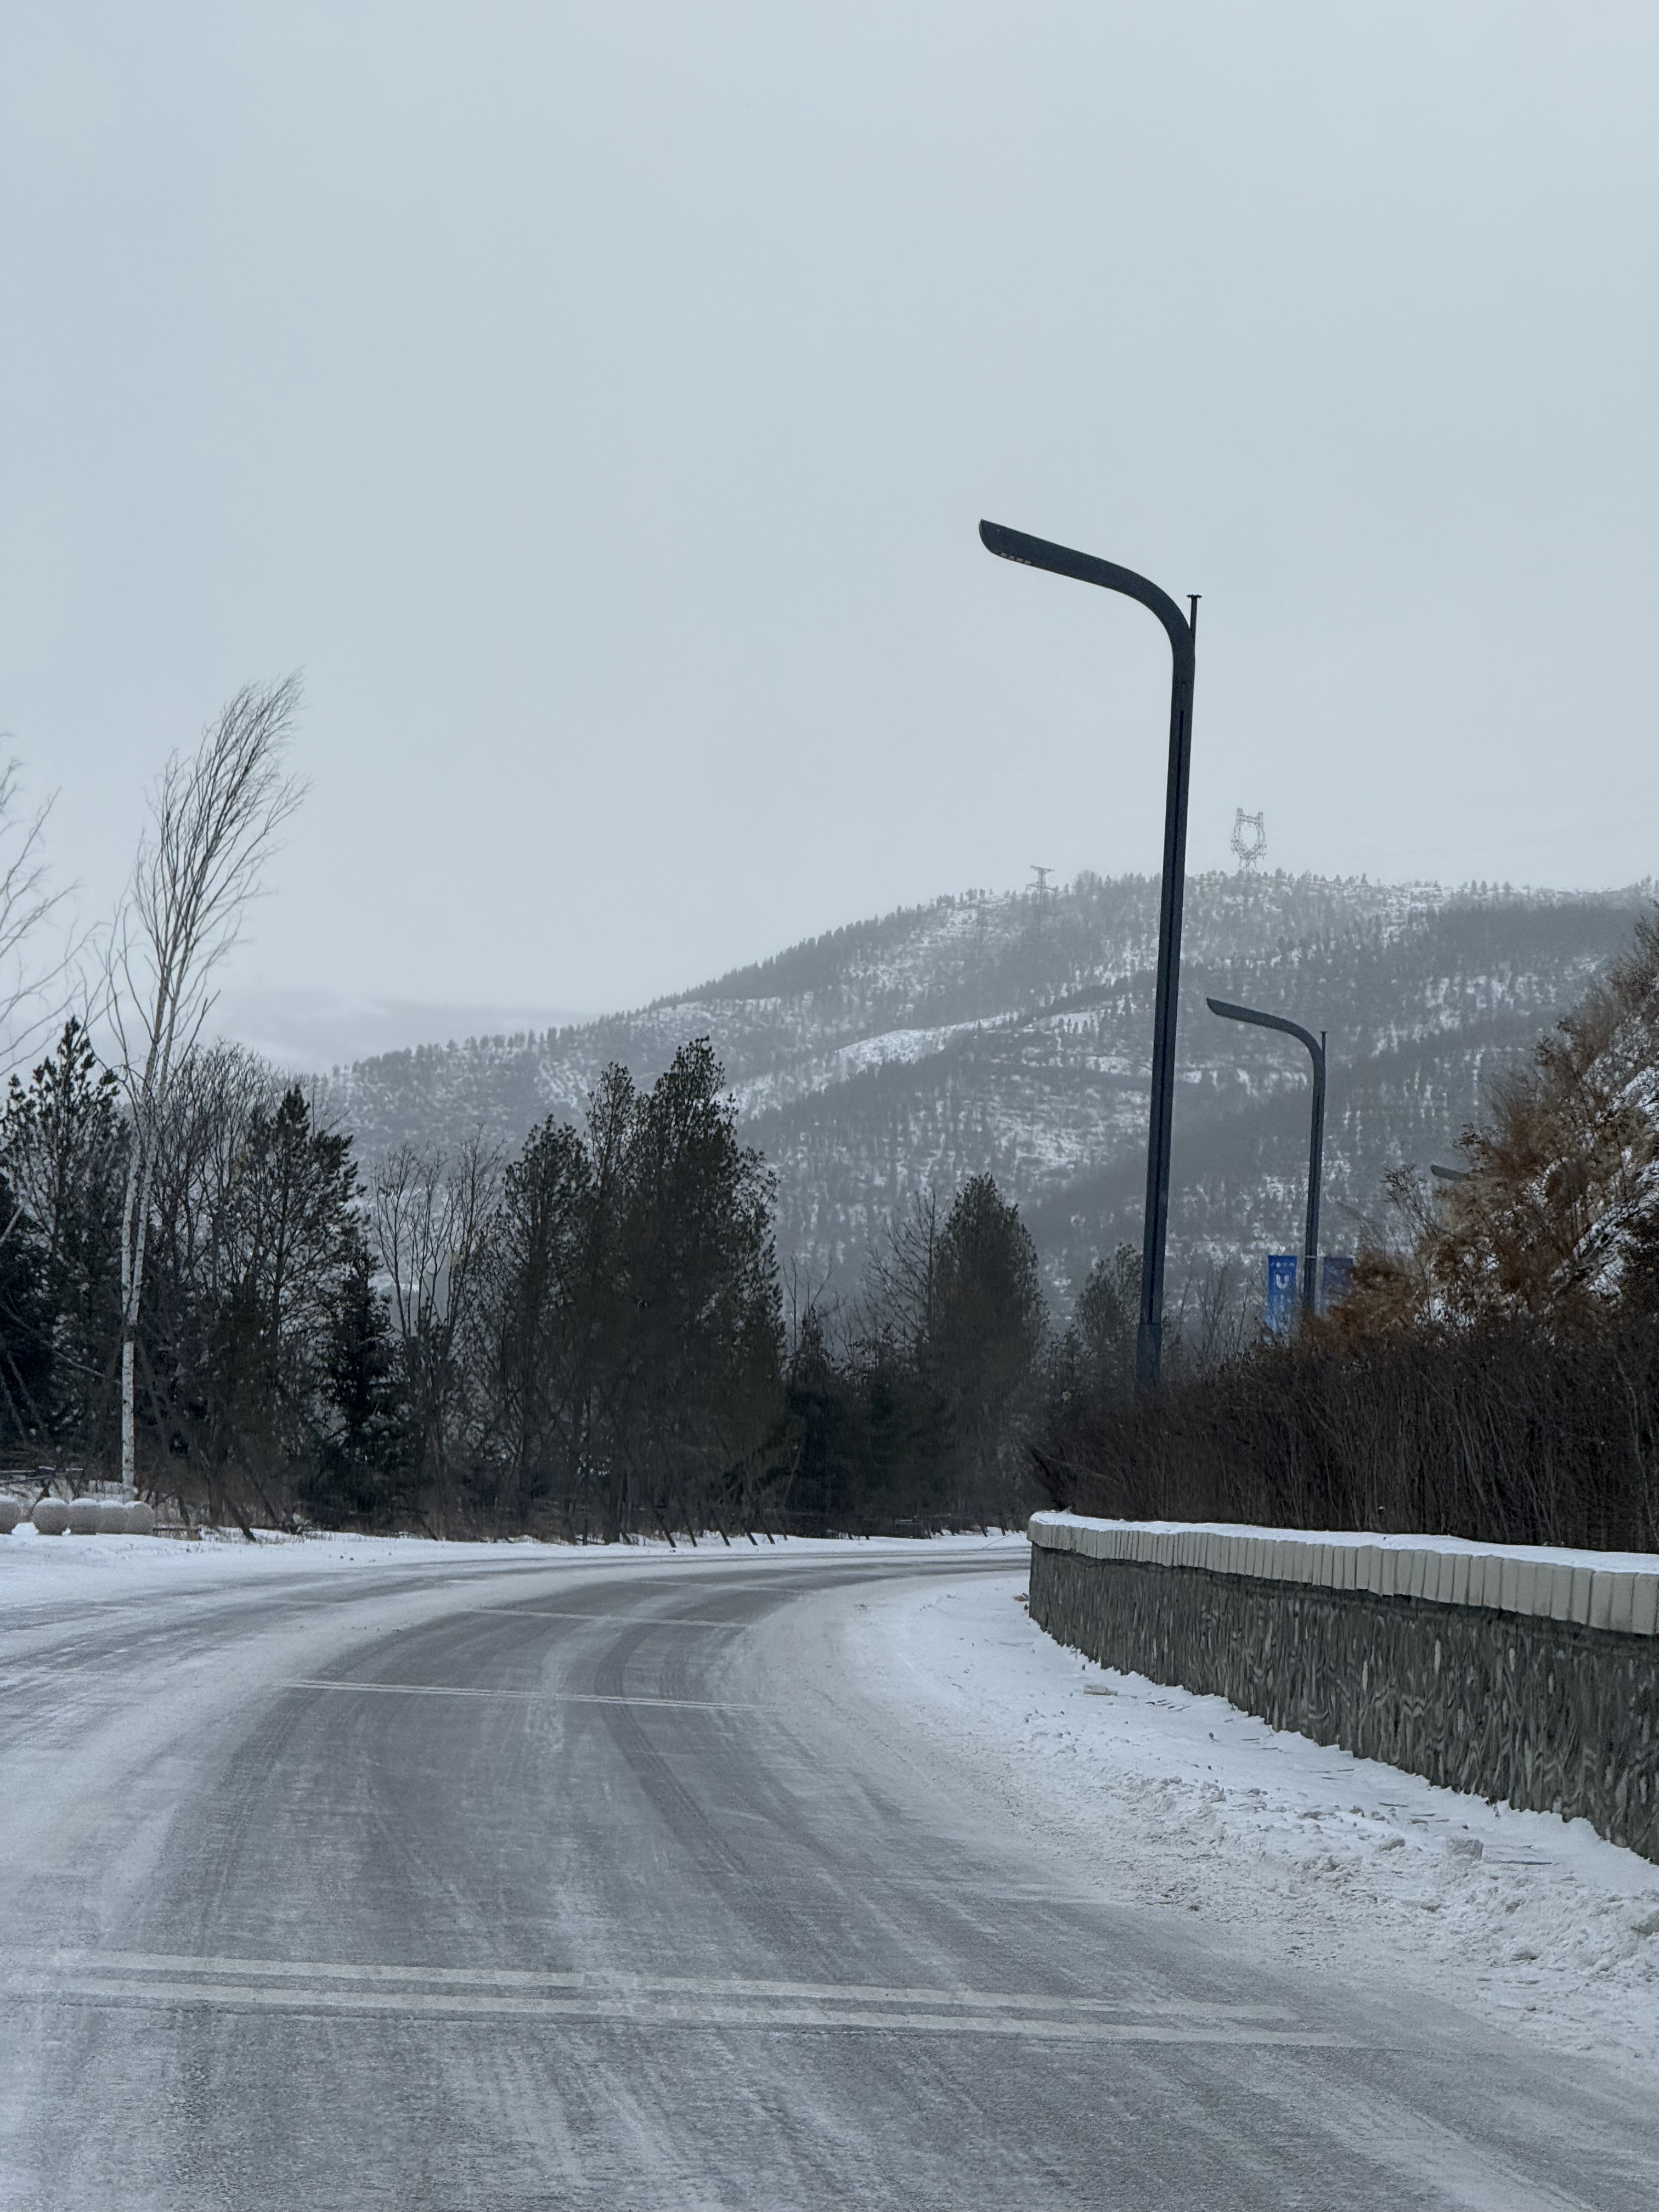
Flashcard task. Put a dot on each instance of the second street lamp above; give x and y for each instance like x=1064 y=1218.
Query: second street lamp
x=1085 y=568
x=1317 y=1135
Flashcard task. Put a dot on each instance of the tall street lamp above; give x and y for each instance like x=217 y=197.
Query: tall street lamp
x=1059 y=561
x=1317 y=1135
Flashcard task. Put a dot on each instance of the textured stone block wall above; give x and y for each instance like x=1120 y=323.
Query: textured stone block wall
x=1546 y=1714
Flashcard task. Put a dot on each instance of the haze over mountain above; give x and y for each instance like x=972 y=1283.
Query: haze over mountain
x=1012 y=1032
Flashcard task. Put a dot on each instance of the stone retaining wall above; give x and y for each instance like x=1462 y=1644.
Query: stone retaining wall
x=1540 y=1710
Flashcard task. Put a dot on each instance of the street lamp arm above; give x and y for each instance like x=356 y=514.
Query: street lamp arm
x=1085 y=568
x=1317 y=1130
x=1315 y=1050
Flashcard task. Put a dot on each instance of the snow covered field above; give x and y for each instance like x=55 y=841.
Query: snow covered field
x=1169 y=1799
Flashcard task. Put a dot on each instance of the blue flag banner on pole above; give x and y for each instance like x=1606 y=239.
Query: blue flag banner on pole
x=1281 y=1291
x=1335 y=1274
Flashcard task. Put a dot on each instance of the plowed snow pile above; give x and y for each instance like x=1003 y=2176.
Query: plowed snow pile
x=1163 y=1798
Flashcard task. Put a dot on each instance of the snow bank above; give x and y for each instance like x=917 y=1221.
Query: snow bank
x=38 y=1569
x=1293 y=1851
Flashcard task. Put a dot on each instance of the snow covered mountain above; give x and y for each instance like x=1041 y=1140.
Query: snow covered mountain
x=1012 y=1032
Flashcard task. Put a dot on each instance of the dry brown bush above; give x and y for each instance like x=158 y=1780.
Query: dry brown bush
x=1497 y=1377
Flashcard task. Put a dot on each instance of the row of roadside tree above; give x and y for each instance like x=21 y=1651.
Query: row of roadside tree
x=587 y=1340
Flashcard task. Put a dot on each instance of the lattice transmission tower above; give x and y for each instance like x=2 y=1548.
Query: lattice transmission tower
x=1249 y=840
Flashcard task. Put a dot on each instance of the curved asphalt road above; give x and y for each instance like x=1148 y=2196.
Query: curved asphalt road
x=529 y=1887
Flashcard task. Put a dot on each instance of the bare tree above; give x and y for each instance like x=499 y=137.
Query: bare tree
x=429 y=1215
x=213 y=818
x=31 y=976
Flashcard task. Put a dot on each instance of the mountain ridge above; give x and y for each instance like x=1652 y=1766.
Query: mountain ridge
x=1011 y=1032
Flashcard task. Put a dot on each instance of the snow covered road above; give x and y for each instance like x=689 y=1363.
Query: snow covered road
x=352 y=1874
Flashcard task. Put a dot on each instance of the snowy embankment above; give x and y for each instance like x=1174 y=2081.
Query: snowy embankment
x=36 y=1569
x=1299 y=1852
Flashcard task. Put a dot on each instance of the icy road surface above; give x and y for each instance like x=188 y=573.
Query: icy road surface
x=432 y=1876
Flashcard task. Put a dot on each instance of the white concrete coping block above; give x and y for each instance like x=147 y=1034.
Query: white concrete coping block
x=1621 y=1603
x=1622 y=1596
x=1578 y=1606
x=11 y=1514
x=83 y=1517
x=113 y=1515
x=141 y=1519
x=51 y=1517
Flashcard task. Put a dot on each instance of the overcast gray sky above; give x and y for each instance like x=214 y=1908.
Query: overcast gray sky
x=598 y=402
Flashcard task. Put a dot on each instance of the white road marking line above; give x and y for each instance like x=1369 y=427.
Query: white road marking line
x=659 y=2012
x=41 y=1958
x=604 y=1619
x=523 y=1697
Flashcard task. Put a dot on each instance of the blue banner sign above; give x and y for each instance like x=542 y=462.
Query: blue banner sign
x=1335 y=1274
x=1281 y=1291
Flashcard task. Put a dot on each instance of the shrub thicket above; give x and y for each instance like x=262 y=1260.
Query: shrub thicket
x=1495 y=1376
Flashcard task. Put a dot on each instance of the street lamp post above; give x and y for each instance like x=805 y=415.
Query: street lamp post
x=1085 y=568
x=1317 y=1135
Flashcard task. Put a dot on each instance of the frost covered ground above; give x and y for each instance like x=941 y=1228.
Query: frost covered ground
x=1534 y=1925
